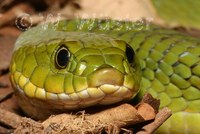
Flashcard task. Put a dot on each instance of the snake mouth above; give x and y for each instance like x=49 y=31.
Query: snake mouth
x=106 y=85
x=105 y=77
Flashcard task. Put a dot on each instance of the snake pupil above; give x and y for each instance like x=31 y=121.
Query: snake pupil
x=62 y=57
x=130 y=54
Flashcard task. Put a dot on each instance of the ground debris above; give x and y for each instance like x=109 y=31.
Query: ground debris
x=113 y=119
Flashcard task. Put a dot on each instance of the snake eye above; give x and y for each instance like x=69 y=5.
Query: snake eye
x=62 y=57
x=130 y=54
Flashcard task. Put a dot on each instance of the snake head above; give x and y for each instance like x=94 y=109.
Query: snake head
x=101 y=68
x=75 y=71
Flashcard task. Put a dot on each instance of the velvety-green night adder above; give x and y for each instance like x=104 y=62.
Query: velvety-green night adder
x=79 y=63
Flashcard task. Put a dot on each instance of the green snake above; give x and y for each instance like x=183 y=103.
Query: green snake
x=79 y=63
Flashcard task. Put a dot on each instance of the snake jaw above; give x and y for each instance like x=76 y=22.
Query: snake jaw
x=111 y=84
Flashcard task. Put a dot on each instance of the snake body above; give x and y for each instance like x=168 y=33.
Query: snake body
x=78 y=63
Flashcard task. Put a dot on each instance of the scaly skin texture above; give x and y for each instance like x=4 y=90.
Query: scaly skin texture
x=100 y=71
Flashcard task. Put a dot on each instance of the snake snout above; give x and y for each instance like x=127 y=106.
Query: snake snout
x=105 y=75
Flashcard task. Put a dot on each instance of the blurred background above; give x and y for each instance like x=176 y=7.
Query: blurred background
x=168 y=13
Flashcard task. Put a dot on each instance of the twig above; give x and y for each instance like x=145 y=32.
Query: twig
x=6 y=95
x=10 y=119
x=161 y=117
